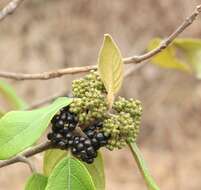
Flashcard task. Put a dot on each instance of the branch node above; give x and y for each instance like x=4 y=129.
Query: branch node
x=27 y=161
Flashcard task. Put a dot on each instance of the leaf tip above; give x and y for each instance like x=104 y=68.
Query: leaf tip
x=107 y=37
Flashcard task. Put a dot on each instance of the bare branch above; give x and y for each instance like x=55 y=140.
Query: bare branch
x=166 y=42
x=47 y=75
x=9 y=8
x=134 y=59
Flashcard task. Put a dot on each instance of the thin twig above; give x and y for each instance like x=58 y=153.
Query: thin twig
x=134 y=59
x=9 y=8
x=28 y=162
x=28 y=153
x=47 y=75
x=47 y=100
x=166 y=42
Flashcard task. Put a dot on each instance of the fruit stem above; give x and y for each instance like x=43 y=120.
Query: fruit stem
x=151 y=185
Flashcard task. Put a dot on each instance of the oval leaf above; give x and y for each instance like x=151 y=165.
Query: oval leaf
x=53 y=156
x=10 y=95
x=36 y=182
x=97 y=173
x=110 y=67
x=21 y=129
x=151 y=184
x=168 y=57
x=51 y=159
x=70 y=174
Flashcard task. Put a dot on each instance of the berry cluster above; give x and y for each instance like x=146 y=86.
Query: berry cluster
x=89 y=99
x=131 y=106
x=124 y=125
x=121 y=129
x=89 y=111
x=64 y=136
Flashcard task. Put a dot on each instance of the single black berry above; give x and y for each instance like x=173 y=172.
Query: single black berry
x=63 y=116
x=50 y=136
x=71 y=126
x=89 y=160
x=100 y=136
x=90 y=151
x=62 y=144
x=65 y=130
x=74 y=150
x=80 y=147
x=87 y=143
x=82 y=139
x=70 y=142
x=90 y=133
x=69 y=135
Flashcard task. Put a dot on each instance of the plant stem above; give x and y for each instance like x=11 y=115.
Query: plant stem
x=28 y=153
x=151 y=185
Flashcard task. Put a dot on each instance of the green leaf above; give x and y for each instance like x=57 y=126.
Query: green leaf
x=10 y=95
x=110 y=67
x=142 y=167
x=36 y=182
x=51 y=159
x=191 y=50
x=21 y=129
x=53 y=156
x=168 y=57
x=70 y=174
x=96 y=171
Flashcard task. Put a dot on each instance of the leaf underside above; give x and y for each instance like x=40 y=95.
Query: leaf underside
x=110 y=67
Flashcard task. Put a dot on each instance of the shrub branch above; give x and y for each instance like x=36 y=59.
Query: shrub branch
x=129 y=60
x=28 y=153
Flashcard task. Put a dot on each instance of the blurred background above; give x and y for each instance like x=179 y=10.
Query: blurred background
x=49 y=34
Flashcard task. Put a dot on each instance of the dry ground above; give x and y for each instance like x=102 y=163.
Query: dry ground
x=48 y=34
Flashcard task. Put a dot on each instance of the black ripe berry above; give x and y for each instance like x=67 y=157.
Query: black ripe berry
x=87 y=142
x=62 y=125
x=63 y=136
x=80 y=147
x=100 y=137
